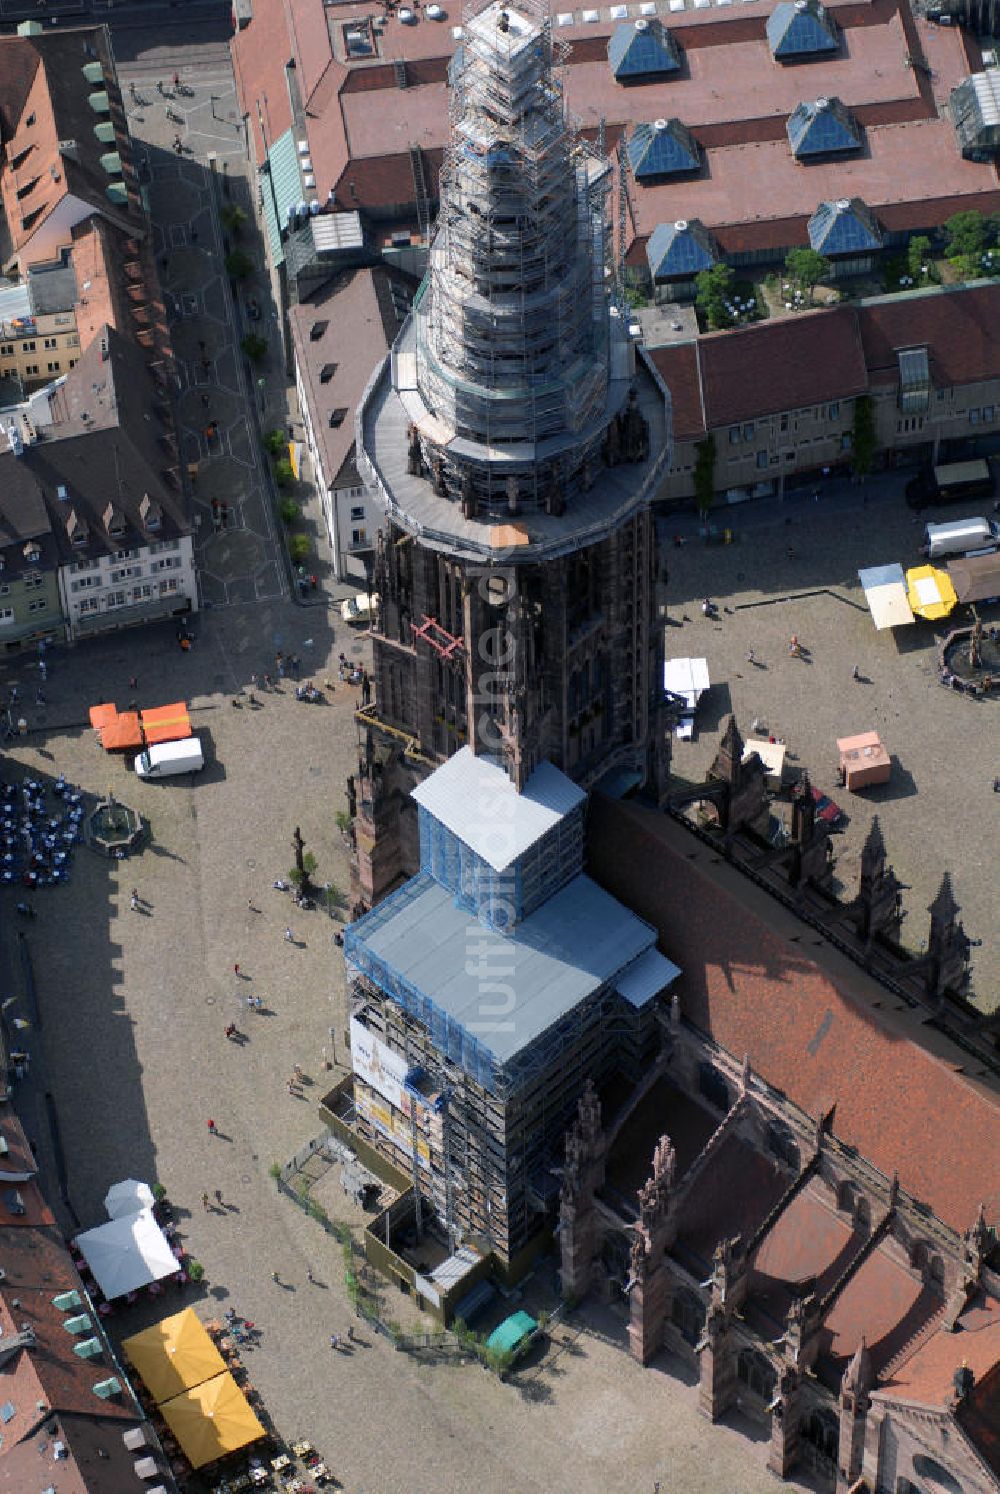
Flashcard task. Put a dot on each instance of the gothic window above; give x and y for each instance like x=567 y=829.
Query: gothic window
x=713 y=1086
x=934 y=1477
x=822 y=1430
x=757 y=1373
x=845 y=1197
x=687 y=1312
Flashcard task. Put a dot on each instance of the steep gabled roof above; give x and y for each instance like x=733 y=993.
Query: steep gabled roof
x=823 y=127
x=682 y=248
x=846 y=226
x=642 y=49
x=801 y=28
x=664 y=148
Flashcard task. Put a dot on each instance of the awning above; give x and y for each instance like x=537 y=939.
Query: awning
x=646 y=977
x=211 y=1420
x=930 y=592
x=127 y=1254
x=976 y=578
x=174 y=1355
x=128 y=1197
x=687 y=677
x=885 y=592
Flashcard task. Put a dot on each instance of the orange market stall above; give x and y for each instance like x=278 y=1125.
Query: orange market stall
x=174 y=1355
x=121 y=731
x=863 y=760
x=211 y=1420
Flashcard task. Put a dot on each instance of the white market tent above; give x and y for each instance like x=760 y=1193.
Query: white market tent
x=127 y=1197
x=689 y=679
x=885 y=592
x=128 y=1253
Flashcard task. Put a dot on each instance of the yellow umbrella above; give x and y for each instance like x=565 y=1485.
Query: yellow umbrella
x=211 y=1420
x=174 y=1354
x=930 y=592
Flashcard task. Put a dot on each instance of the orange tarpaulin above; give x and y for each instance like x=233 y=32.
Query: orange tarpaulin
x=120 y=731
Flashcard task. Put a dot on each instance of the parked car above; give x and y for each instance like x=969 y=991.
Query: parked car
x=826 y=810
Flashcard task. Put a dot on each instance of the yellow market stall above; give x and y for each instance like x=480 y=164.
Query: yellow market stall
x=211 y=1420
x=929 y=592
x=174 y=1355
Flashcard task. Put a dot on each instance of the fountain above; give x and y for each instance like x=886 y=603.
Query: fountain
x=969 y=658
x=113 y=828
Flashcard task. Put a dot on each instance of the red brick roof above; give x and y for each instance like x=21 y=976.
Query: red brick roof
x=781 y=365
x=678 y=366
x=885 y=1302
x=739 y=1183
x=762 y=984
x=810 y=1242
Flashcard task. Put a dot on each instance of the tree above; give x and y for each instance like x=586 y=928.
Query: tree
x=918 y=253
x=298 y=547
x=289 y=511
x=284 y=472
x=704 y=475
x=275 y=442
x=238 y=265
x=713 y=289
x=863 y=435
x=302 y=877
x=254 y=346
x=965 y=233
x=233 y=218
x=807 y=268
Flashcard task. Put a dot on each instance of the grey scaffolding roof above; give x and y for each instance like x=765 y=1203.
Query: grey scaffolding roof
x=503 y=991
x=474 y=799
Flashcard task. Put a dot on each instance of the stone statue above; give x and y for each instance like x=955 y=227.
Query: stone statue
x=637 y=1260
x=437 y=474
x=635 y=431
x=414 y=456
x=513 y=498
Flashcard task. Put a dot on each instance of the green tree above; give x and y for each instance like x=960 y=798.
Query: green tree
x=233 y=218
x=238 y=264
x=284 y=472
x=275 y=442
x=704 y=475
x=713 y=288
x=289 y=511
x=302 y=879
x=965 y=233
x=807 y=268
x=298 y=547
x=918 y=253
x=863 y=435
x=254 y=346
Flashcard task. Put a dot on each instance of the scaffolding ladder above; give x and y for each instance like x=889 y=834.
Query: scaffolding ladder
x=420 y=188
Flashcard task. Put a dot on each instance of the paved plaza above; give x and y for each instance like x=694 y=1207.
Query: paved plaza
x=793 y=570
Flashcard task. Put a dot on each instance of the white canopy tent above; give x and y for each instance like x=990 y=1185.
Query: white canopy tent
x=128 y=1253
x=687 y=678
x=127 y=1197
x=885 y=592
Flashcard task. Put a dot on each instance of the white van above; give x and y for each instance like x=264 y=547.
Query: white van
x=170 y=757
x=959 y=537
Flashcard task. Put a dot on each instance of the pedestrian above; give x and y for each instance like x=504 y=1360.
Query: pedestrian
x=133 y=683
x=291 y=1088
x=135 y=894
x=751 y=656
x=274 y=1275
x=281 y=668
x=855 y=673
x=334 y=1341
x=253 y=682
x=218 y=1197
x=213 y=1129
x=236 y=971
x=159 y=86
x=43 y=670
x=350 y=1333
x=310 y=1277
x=231 y=1030
x=204 y=401
x=205 y=1203
x=39 y=697
x=289 y=936
x=268 y=682
x=299 y=1072
x=177 y=80
x=134 y=903
x=250 y=906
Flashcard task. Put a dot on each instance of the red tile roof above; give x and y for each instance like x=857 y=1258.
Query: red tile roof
x=740 y=1183
x=811 y=1242
x=663 y=1111
x=260 y=53
x=796 y=361
x=762 y=984
x=678 y=366
x=961 y=328
x=885 y=1302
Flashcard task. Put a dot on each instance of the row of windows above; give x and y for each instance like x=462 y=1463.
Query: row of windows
x=31 y=581
x=7 y=613
x=160 y=548
x=141 y=593
x=738 y=433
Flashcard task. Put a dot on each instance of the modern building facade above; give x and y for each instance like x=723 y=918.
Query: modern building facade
x=486 y=991
x=515 y=443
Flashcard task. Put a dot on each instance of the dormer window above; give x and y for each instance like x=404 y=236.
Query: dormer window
x=150 y=512
x=32 y=552
x=76 y=529
x=114 y=521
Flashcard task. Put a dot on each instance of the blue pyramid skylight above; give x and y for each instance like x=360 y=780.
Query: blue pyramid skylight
x=800 y=28
x=682 y=248
x=844 y=227
x=823 y=128
x=642 y=49
x=662 y=149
